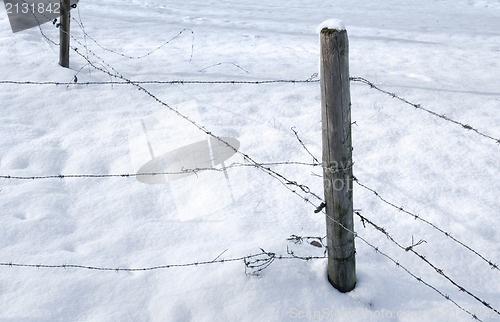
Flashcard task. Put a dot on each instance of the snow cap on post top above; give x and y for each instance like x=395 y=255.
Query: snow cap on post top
x=331 y=24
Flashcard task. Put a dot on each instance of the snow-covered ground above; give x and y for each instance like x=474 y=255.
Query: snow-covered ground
x=442 y=54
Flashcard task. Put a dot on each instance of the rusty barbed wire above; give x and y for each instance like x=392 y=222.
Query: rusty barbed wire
x=416 y=216
x=419 y=106
x=411 y=248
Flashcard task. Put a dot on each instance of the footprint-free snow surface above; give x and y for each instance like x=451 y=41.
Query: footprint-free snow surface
x=443 y=55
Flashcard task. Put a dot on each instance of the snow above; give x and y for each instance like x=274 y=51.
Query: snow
x=331 y=24
x=443 y=55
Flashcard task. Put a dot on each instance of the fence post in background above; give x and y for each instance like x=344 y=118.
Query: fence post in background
x=64 y=34
x=337 y=154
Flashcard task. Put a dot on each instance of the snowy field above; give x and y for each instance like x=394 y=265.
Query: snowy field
x=444 y=55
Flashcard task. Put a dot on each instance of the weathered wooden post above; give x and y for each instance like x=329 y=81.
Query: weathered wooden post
x=64 y=33
x=337 y=154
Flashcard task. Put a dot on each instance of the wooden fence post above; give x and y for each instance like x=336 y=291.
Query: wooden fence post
x=337 y=154
x=64 y=34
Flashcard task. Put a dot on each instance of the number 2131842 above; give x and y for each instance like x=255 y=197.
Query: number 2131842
x=40 y=8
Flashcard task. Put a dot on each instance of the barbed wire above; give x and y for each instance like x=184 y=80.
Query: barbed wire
x=170 y=82
x=282 y=179
x=416 y=216
x=225 y=63
x=419 y=279
x=411 y=248
x=254 y=264
x=63 y=31
x=310 y=80
x=128 y=81
x=318 y=242
x=257 y=82
x=39 y=24
x=142 y=56
x=419 y=106
x=84 y=36
x=257 y=264
x=304 y=146
x=183 y=171
x=299 y=239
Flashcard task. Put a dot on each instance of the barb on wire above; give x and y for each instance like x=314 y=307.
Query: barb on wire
x=401 y=209
x=313 y=77
x=315 y=241
x=255 y=265
x=304 y=146
x=74 y=79
x=220 y=254
x=418 y=106
x=420 y=242
x=411 y=248
x=332 y=168
x=305 y=258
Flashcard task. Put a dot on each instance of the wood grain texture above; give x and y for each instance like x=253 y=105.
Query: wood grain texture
x=337 y=157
